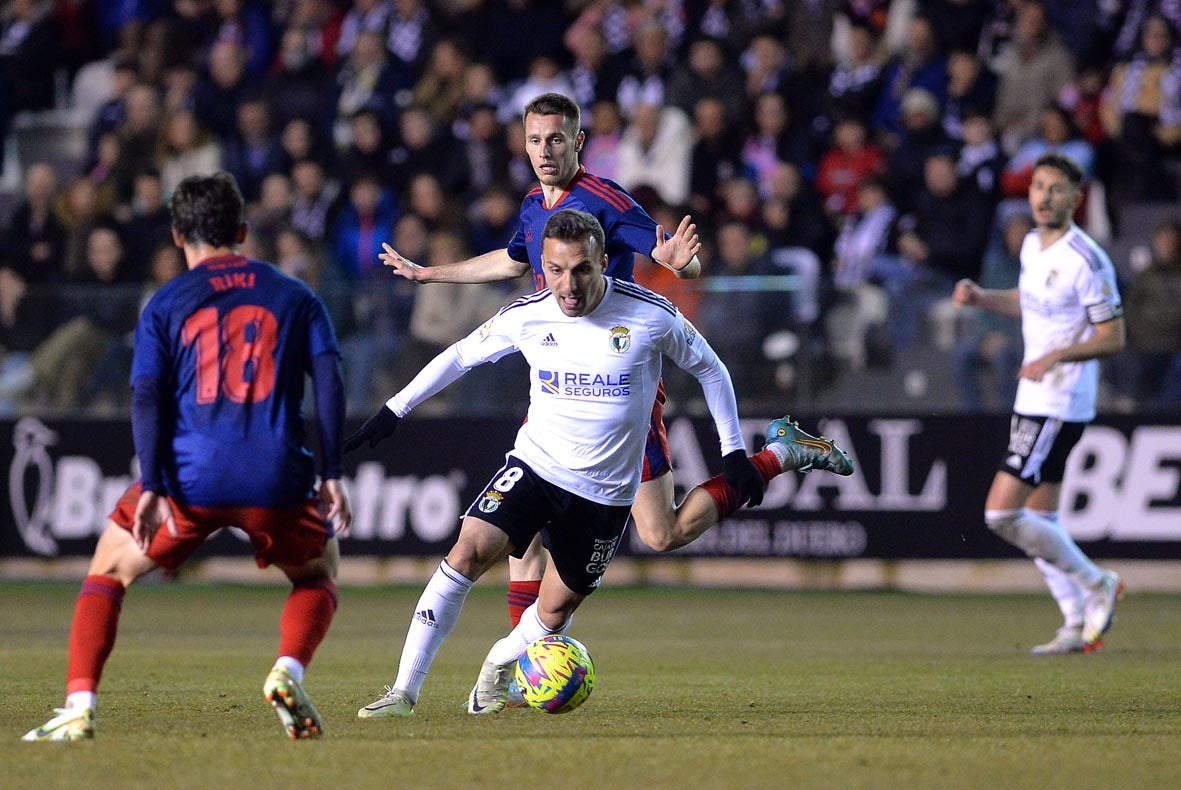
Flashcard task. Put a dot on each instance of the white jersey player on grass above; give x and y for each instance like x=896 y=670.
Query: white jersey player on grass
x=594 y=346
x=1071 y=316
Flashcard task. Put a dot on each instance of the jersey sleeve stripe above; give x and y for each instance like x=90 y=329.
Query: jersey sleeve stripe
x=644 y=295
x=1088 y=253
x=536 y=296
x=606 y=192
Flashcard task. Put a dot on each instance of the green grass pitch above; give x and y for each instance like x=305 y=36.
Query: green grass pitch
x=695 y=689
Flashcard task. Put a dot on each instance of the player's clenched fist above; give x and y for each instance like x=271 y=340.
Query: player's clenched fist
x=376 y=428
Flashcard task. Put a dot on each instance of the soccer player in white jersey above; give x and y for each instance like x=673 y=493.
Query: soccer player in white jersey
x=594 y=345
x=1071 y=316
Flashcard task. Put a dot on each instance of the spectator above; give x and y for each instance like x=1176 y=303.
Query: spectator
x=709 y=75
x=368 y=82
x=29 y=53
x=842 y=168
x=80 y=210
x=941 y=242
x=299 y=140
x=655 y=151
x=716 y=157
x=1142 y=113
x=299 y=86
x=920 y=65
x=426 y=147
x=323 y=20
x=544 y=76
x=65 y=361
x=246 y=24
x=1154 y=321
x=600 y=154
x=786 y=254
x=185 y=149
x=34 y=240
x=988 y=346
x=971 y=89
x=1032 y=70
x=368 y=151
x=363 y=16
x=774 y=140
x=855 y=83
x=440 y=89
x=980 y=160
x=425 y=198
x=314 y=208
x=140 y=131
x=484 y=151
x=592 y=79
x=26 y=320
x=862 y=262
x=921 y=137
x=647 y=70
x=253 y=152
x=410 y=36
x=111 y=114
x=1056 y=134
x=366 y=219
x=145 y=224
x=271 y=214
x=494 y=219
x=223 y=87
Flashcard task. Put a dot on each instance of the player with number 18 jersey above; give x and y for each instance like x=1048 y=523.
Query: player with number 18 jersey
x=234 y=339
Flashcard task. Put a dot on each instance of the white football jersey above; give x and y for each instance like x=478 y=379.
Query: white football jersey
x=1065 y=290
x=593 y=382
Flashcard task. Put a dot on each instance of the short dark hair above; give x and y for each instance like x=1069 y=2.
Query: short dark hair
x=1064 y=165
x=208 y=209
x=571 y=225
x=555 y=104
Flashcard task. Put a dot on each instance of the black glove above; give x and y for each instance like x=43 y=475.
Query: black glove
x=743 y=476
x=376 y=428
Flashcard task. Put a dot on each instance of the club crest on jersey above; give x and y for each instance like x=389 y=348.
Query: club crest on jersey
x=621 y=339
x=1051 y=278
x=486 y=328
x=490 y=502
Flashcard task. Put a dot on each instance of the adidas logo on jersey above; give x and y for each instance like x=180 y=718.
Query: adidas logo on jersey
x=549 y=340
x=427 y=618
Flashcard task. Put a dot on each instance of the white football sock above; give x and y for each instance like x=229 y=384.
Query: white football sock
x=82 y=699
x=1066 y=591
x=435 y=615
x=528 y=631
x=293 y=666
x=1039 y=536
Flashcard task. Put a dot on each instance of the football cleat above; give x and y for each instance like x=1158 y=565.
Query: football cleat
x=300 y=718
x=490 y=694
x=1067 y=640
x=395 y=703
x=516 y=696
x=70 y=724
x=1099 y=606
x=806 y=452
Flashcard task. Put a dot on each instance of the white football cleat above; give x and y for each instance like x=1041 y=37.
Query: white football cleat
x=1099 y=606
x=1068 y=640
x=490 y=694
x=70 y=724
x=394 y=704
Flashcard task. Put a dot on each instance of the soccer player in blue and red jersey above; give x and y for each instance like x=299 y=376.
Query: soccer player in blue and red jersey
x=221 y=354
x=553 y=138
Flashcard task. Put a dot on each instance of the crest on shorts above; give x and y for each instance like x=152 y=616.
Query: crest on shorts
x=621 y=339
x=490 y=501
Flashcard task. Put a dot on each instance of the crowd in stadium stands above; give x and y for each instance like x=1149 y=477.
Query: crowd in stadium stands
x=877 y=150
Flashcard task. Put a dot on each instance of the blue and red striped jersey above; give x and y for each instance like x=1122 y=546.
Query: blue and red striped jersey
x=628 y=228
x=229 y=344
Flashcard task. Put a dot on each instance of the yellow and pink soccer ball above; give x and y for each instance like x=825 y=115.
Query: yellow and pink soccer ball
x=555 y=674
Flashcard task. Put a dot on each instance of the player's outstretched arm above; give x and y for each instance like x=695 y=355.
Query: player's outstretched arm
x=340 y=514
x=490 y=267
x=968 y=294
x=678 y=252
x=380 y=426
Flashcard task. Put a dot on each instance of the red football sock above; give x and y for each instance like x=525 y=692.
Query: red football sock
x=768 y=464
x=724 y=496
x=306 y=618
x=521 y=596
x=92 y=635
